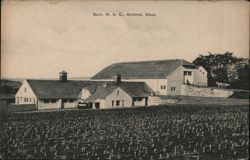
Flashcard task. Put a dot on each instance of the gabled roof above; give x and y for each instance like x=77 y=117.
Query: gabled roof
x=48 y=89
x=101 y=93
x=133 y=89
x=91 y=88
x=53 y=89
x=142 y=70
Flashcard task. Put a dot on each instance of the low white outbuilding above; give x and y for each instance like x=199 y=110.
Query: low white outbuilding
x=63 y=93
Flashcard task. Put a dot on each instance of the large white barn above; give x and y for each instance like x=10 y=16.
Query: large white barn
x=165 y=77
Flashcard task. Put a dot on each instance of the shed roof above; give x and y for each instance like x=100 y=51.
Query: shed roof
x=143 y=70
x=48 y=89
x=53 y=89
x=133 y=89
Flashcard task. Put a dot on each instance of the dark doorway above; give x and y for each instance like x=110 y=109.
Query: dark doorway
x=90 y=105
x=62 y=106
x=97 y=105
x=63 y=103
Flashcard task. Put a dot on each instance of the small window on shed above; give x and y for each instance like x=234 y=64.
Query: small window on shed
x=24 y=89
x=53 y=101
x=118 y=103
x=172 y=89
x=118 y=92
x=71 y=101
x=163 y=87
x=187 y=73
x=46 y=101
x=64 y=100
x=113 y=102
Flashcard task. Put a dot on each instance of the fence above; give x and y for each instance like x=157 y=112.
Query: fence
x=190 y=90
x=7 y=108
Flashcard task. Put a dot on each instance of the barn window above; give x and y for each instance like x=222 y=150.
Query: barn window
x=118 y=93
x=118 y=103
x=25 y=89
x=71 y=101
x=113 y=102
x=46 y=101
x=172 y=89
x=53 y=100
x=163 y=87
x=123 y=102
x=64 y=100
x=187 y=73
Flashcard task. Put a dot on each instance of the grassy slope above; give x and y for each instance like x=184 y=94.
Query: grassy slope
x=208 y=100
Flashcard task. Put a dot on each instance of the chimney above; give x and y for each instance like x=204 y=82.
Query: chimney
x=63 y=76
x=117 y=79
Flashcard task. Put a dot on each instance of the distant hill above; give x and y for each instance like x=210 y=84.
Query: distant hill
x=9 y=86
x=11 y=83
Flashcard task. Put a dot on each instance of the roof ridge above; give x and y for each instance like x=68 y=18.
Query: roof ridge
x=160 y=60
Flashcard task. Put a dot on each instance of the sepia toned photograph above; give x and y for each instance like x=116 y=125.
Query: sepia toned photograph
x=128 y=80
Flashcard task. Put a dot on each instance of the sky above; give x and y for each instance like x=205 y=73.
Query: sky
x=41 y=38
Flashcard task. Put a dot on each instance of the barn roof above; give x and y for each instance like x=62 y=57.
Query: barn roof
x=53 y=89
x=101 y=93
x=133 y=89
x=143 y=70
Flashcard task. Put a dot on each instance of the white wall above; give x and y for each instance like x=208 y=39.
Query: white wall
x=85 y=93
x=139 y=102
x=154 y=84
x=205 y=91
x=69 y=104
x=200 y=77
x=175 y=80
x=101 y=102
x=56 y=105
x=123 y=96
x=25 y=95
x=42 y=105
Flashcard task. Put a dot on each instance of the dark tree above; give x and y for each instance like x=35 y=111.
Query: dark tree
x=225 y=68
x=6 y=90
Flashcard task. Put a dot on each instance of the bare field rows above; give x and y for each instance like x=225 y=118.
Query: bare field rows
x=167 y=132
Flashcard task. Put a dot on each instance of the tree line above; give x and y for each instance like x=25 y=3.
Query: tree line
x=225 y=68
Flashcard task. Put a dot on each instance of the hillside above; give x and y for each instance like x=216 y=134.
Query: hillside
x=11 y=83
x=9 y=86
